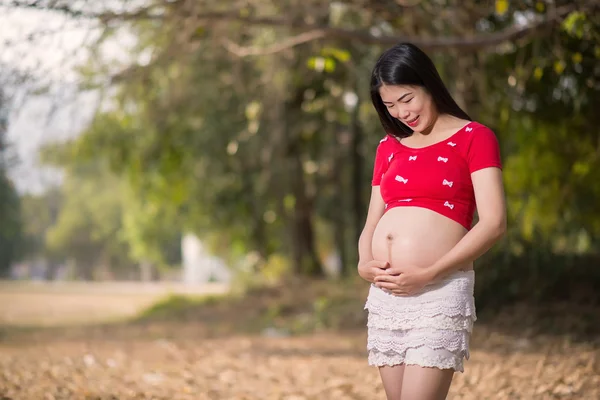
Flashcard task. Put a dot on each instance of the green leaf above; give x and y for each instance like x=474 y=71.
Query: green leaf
x=540 y=6
x=289 y=202
x=321 y=64
x=501 y=7
x=574 y=24
x=330 y=64
x=339 y=54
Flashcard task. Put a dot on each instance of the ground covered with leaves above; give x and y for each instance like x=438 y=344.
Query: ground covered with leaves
x=288 y=345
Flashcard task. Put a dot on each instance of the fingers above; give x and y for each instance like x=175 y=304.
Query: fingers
x=392 y=287
x=389 y=286
x=386 y=285
x=393 y=271
x=378 y=273
x=385 y=277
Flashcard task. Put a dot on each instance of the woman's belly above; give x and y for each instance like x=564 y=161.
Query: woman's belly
x=415 y=236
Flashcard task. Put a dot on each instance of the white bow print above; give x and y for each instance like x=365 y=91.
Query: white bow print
x=401 y=179
x=469 y=129
x=383 y=140
x=443 y=159
x=410 y=158
x=449 y=183
x=450 y=206
x=390 y=157
x=451 y=144
x=405 y=200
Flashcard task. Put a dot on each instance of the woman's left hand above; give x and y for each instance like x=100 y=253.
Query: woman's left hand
x=404 y=281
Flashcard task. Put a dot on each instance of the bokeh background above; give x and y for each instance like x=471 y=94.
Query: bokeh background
x=183 y=183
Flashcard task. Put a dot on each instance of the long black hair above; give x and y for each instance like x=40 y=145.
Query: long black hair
x=406 y=64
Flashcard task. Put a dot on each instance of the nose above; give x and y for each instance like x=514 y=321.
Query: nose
x=399 y=113
x=403 y=114
x=395 y=112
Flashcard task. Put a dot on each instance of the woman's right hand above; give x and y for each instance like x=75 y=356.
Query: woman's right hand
x=369 y=270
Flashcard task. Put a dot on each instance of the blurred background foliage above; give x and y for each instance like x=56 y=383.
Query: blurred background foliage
x=250 y=124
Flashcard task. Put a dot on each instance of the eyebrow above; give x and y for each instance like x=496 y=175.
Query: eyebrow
x=403 y=96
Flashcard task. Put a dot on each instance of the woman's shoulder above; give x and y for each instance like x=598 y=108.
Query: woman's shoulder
x=475 y=132
x=476 y=126
x=388 y=141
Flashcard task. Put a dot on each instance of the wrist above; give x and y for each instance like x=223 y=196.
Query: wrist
x=362 y=272
x=433 y=273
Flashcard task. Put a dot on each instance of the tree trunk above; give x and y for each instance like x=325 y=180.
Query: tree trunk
x=340 y=208
x=258 y=228
x=359 y=207
x=301 y=230
x=85 y=271
x=306 y=261
x=51 y=270
x=248 y=167
x=148 y=271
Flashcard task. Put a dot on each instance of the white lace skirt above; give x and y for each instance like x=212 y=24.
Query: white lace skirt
x=429 y=329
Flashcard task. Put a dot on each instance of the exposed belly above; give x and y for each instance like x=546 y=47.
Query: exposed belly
x=415 y=236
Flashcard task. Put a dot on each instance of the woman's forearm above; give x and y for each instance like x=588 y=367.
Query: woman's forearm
x=474 y=244
x=365 y=252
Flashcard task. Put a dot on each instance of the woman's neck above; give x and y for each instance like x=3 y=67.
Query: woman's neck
x=444 y=126
x=441 y=125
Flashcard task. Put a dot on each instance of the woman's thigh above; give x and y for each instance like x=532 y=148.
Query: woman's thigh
x=391 y=377
x=425 y=383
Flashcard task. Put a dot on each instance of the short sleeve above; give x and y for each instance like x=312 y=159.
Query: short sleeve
x=381 y=162
x=484 y=150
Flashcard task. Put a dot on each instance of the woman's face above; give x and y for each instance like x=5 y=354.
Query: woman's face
x=411 y=105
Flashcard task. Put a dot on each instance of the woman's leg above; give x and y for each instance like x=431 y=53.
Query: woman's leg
x=392 y=380
x=426 y=383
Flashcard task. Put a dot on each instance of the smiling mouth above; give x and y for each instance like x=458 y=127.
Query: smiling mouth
x=413 y=122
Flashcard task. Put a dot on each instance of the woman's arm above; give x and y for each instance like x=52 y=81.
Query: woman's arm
x=365 y=252
x=491 y=207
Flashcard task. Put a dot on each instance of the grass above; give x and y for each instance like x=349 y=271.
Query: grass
x=296 y=307
x=308 y=306
x=292 y=307
x=177 y=307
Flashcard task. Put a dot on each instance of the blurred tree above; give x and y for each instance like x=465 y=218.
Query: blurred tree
x=101 y=228
x=11 y=235
x=251 y=123
x=39 y=214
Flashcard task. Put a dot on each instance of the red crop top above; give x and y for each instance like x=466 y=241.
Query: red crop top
x=438 y=176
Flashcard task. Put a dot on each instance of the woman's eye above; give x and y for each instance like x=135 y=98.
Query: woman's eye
x=390 y=106
x=409 y=100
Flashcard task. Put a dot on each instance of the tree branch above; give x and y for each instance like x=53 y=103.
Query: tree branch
x=463 y=43
x=276 y=48
x=313 y=32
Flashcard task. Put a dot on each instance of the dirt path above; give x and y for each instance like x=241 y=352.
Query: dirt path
x=57 y=303
x=145 y=363
x=162 y=360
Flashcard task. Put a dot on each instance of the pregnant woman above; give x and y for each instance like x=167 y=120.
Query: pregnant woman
x=432 y=169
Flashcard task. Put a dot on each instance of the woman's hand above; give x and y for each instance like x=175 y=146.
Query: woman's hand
x=372 y=269
x=403 y=281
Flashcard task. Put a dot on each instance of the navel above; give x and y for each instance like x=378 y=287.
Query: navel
x=390 y=239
